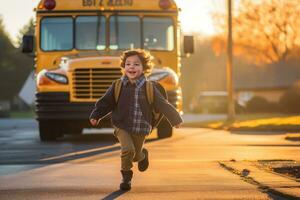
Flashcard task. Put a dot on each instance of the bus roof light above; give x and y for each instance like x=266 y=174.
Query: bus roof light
x=165 y=4
x=49 y=4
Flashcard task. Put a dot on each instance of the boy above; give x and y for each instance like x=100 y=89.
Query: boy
x=132 y=114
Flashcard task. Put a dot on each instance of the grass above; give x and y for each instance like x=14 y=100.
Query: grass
x=22 y=114
x=263 y=122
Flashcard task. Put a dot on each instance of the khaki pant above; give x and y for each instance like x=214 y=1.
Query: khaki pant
x=131 y=148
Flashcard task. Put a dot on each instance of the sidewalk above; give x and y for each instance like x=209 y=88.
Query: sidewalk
x=254 y=173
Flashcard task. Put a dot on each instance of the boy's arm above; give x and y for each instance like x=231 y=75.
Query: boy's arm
x=104 y=105
x=168 y=110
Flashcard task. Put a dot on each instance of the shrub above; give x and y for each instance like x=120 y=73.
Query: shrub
x=290 y=101
x=260 y=104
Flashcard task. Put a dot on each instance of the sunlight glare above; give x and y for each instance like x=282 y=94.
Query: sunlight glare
x=196 y=16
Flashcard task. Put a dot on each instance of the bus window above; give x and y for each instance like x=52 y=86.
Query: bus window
x=125 y=32
x=158 y=33
x=90 y=33
x=57 y=33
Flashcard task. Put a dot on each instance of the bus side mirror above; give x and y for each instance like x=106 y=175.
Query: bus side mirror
x=27 y=44
x=188 y=44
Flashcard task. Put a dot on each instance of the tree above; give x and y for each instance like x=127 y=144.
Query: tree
x=264 y=31
x=6 y=48
x=14 y=66
x=6 y=63
x=28 y=29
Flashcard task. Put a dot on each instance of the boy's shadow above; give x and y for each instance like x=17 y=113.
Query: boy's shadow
x=115 y=194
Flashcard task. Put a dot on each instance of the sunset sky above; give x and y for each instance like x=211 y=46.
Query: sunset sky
x=195 y=15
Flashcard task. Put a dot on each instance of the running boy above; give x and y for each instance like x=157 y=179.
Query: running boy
x=132 y=114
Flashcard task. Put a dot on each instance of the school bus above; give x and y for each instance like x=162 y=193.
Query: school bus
x=77 y=45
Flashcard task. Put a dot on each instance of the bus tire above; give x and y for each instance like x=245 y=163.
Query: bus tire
x=49 y=130
x=76 y=130
x=164 y=129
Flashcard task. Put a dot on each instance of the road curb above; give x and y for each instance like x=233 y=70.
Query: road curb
x=293 y=137
x=265 y=180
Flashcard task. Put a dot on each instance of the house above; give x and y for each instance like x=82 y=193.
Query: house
x=269 y=82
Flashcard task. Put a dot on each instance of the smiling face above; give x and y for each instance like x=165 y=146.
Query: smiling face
x=133 y=68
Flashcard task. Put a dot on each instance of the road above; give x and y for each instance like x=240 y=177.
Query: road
x=185 y=166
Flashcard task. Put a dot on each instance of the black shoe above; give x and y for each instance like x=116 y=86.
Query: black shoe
x=126 y=181
x=143 y=164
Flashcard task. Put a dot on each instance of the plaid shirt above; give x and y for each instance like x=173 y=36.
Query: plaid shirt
x=139 y=124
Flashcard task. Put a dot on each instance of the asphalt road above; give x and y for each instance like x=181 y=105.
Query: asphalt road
x=87 y=166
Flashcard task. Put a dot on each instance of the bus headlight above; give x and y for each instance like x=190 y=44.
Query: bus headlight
x=59 y=78
x=166 y=77
x=158 y=75
x=45 y=77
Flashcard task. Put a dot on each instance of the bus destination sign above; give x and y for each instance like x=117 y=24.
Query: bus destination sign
x=107 y=2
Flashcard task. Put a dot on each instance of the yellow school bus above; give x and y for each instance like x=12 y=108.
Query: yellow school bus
x=77 y=44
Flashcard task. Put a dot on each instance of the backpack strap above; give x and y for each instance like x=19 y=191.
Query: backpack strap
x=117 y=89
x=157 y=117
x=150 y=92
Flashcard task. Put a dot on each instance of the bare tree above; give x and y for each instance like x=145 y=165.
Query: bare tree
x=264 y=31
x=27 y=29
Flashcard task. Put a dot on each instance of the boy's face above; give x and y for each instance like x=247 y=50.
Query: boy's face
x=133 y=67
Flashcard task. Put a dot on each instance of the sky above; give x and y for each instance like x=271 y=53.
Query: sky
x=195 y=15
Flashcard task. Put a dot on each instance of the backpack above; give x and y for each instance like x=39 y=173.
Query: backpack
x=156 y=116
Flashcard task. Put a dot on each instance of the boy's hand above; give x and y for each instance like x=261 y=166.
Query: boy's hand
x=178 y=125
x=94 y=122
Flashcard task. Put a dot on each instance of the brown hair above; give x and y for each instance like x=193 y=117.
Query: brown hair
x=143 y=55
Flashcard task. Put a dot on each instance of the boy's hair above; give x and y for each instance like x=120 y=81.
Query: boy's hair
x=143 y=55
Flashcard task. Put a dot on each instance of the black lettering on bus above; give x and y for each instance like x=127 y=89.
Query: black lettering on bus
x=88 y=2
x=120 y=2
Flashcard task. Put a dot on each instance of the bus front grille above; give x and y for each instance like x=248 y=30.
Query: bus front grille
x=91 y=84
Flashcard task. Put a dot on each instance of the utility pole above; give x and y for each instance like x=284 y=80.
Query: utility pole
x=230 y=91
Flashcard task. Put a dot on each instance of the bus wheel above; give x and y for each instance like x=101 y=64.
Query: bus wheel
x=49 y=130
x=72 y=127
x=164 y=129
x=76 y=130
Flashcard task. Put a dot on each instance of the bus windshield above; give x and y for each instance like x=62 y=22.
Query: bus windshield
x=158 y=33
x=57 y=33
x=125 y=32
x=90 y=33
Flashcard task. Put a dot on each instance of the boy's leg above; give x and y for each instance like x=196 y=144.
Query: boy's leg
x=141 y=154
x=138 y=142
x=127 y=149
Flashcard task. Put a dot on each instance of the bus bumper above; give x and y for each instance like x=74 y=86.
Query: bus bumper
x=57 y=106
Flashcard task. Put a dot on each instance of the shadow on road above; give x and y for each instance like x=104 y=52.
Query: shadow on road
x=106 y=143
x=258 y=132
x=87 y=138
x=274 y=145
x=35 y=154
x=114 y=195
